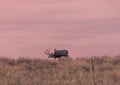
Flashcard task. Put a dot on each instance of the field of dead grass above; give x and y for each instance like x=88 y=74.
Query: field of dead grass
x=25 y=71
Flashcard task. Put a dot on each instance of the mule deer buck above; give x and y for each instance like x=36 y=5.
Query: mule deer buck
x=57 y=53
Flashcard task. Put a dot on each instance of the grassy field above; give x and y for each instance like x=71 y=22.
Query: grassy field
x=24 y=71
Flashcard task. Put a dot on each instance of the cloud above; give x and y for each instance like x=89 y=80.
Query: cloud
x=88 y=26
x=71 y=10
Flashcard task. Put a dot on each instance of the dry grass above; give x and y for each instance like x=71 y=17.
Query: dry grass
x=25 y=71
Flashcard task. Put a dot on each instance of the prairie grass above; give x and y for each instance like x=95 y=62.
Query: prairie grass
x=25 y=71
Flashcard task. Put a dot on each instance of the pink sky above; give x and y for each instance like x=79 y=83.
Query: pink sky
x=84 y=27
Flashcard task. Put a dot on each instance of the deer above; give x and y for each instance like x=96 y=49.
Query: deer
x=57 y=54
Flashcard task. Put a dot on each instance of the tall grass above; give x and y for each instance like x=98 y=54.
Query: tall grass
x=24 y=71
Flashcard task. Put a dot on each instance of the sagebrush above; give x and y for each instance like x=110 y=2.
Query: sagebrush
x=25 y=71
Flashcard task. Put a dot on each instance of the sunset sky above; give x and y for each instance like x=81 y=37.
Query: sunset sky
x=84 y=27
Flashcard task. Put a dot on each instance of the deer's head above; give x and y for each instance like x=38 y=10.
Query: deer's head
x=47 y=52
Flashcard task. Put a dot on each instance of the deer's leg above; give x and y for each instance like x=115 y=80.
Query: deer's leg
x=54 y=59
x=59 y=59
x=68 y=58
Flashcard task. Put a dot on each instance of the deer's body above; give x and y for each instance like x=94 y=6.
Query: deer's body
x=57 y=53
x=60 y=53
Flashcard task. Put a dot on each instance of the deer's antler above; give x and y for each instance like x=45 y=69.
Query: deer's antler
x=47 y=51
